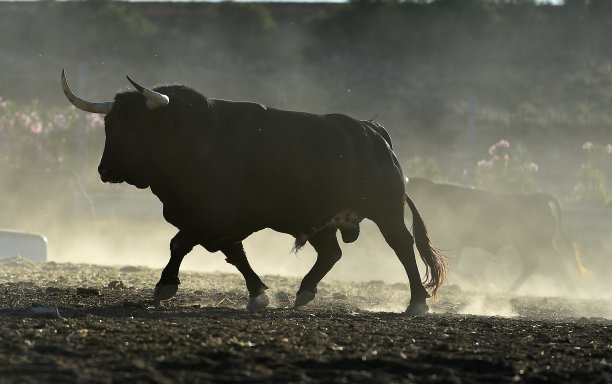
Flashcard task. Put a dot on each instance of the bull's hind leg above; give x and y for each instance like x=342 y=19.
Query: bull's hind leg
x=401 y=241
x=551 y=262
x=180 y=245
x=235 y=255
x=328 y=253
x=531 y=261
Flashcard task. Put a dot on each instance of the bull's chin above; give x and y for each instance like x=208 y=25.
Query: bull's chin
x=140 y=185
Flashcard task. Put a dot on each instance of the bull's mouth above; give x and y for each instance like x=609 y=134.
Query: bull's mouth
x=140 y=184
x=111 y=179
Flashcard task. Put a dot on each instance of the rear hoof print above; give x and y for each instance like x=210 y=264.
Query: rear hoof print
x=303 y=298
x=258 y=302
x=415 y=309
x=164 y=291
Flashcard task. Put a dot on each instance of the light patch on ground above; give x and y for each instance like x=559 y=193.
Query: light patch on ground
x=479 y=305
x=395 y=306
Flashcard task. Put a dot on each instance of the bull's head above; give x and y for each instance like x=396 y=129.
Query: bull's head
x=125 y=157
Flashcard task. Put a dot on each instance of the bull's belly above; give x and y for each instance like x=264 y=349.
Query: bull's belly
x=458 y=241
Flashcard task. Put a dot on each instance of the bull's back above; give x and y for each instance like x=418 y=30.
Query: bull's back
x=460 y=217
x=304 y=167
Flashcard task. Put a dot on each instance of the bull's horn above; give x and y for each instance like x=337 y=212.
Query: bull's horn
x=82 y=104
x=154 y=99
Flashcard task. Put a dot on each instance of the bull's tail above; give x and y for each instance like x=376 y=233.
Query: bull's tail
x=581 y=268
x=435 y=262
x=561 y=237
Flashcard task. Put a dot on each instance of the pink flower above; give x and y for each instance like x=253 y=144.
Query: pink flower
x=533 y=167
x=587 y=145
x=500 y=144
x=36 y=127
x=95 y=120
x=609 y=148
x=26 y=120
x=484 y=164
x=59 y=120
x=503 y=143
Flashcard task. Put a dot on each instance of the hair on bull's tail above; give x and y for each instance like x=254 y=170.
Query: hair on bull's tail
x=435 y=262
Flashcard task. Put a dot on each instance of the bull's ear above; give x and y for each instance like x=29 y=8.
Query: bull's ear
x=154 y=99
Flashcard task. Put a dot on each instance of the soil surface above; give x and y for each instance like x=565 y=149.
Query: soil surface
x=65 y=323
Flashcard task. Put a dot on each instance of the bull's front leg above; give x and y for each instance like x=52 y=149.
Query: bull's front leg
x=235 y=255
x=180 y=245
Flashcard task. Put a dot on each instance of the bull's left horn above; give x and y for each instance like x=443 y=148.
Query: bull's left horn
x=154 y=99
x=83 y=104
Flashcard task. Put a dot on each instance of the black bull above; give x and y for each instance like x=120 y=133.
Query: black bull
x=462 y=217
x=224 y=170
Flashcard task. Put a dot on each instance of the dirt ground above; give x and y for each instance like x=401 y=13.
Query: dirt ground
x=69 y=323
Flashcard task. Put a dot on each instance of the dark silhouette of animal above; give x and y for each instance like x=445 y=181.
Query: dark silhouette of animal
x=463 y=217
x=226 y=169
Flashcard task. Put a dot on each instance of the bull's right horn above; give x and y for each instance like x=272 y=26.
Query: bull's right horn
x=154 y=99
x=82 y=104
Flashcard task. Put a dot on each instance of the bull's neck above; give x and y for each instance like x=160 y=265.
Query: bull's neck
x=175 y=187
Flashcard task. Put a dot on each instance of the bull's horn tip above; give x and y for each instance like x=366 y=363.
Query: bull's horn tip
x=139 y=87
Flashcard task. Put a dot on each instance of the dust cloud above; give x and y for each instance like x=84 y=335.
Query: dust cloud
x=480 y=306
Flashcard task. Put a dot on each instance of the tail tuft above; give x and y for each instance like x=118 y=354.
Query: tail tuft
x=436 y=266
x=581 y=268
x=562 y=243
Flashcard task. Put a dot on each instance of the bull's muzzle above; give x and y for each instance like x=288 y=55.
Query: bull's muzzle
x=107 y=175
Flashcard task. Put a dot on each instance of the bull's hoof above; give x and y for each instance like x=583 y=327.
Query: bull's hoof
x=258 y=302
x=164 y=291
x=415 y=309
x=303 y=298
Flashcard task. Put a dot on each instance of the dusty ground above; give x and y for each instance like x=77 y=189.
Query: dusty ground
x=94 y=324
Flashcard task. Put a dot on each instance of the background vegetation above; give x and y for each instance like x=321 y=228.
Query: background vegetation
x=448 y=78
